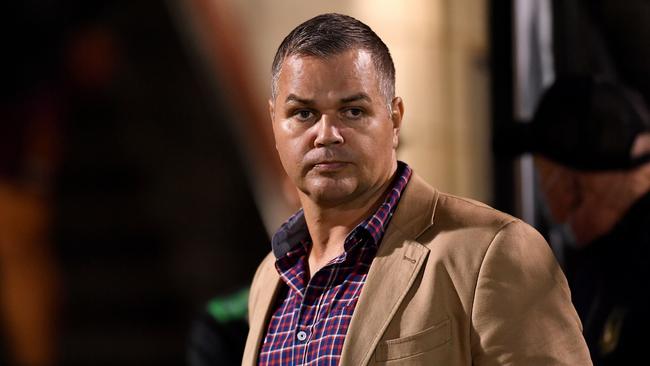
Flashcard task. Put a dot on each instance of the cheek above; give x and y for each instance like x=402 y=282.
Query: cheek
x=291 y=151
x=379 y=145
x=560 y=199
x=287 y=153
x=283 y=136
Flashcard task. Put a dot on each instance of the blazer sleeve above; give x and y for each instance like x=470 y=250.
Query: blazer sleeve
x=256 y=286
x=257 y=307
x=522 y=312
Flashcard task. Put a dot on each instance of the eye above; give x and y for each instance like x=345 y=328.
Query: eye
x=303 y=115
x=353 y=113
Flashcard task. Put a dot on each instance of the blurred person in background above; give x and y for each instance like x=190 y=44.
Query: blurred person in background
x=591 y=135
x=378 y=266
x=592 y=143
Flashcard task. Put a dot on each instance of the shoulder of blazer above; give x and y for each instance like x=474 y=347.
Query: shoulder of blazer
x=467 y=212
x=423 y=208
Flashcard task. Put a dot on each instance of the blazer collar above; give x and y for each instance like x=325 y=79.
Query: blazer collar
x=414 y=214
x=397 y=264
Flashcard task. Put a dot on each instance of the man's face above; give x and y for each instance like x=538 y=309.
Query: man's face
x=333 y=129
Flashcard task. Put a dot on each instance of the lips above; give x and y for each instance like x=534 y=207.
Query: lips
x=329 y=166
x=324 y=160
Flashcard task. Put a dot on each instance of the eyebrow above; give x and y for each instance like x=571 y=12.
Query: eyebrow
x=356 y=97
x=294 y=98
x=353 y=98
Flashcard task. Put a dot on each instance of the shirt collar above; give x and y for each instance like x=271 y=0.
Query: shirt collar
x=294 y=231
x=290 y=234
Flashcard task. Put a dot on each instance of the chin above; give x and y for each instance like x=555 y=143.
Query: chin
x=329 y=200
x=330 y=192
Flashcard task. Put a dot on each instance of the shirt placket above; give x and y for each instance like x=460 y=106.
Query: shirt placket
x=317 y=292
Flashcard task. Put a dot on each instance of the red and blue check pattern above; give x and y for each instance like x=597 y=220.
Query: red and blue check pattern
x=311 y=317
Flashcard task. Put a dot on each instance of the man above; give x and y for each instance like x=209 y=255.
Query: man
x=593 y=158
x=378 y=267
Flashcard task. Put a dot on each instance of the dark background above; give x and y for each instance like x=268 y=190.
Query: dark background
x=152 y=215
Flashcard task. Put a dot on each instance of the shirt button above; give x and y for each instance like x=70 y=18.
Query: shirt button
x=302 y=335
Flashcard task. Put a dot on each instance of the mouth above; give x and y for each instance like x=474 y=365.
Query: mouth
x=329 y=166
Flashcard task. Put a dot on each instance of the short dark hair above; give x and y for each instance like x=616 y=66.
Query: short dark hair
x=331 y=34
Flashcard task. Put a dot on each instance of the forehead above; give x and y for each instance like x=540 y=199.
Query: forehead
x=351 y=71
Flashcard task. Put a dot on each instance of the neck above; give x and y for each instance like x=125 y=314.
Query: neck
x=329 y=225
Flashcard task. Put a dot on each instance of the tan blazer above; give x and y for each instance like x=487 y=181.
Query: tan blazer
x=454 y=283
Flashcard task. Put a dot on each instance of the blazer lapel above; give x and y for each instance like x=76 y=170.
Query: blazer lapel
x=392 y=273
x=388 y=281
x=263 y=305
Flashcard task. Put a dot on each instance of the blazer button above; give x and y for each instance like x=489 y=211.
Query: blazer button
x=302 y=335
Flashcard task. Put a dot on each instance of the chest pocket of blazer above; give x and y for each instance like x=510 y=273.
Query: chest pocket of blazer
x=426 y=340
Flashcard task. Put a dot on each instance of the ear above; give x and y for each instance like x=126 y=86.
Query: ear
x=271 y=109
x=641 y=145
x=397 y=113
x=272 y=117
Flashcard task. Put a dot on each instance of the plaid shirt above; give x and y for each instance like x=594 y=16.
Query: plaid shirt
x=311 y=317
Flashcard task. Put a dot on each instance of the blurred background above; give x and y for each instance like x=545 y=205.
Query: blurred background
x=138 y=179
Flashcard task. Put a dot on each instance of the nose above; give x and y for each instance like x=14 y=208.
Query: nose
x=328 y=132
